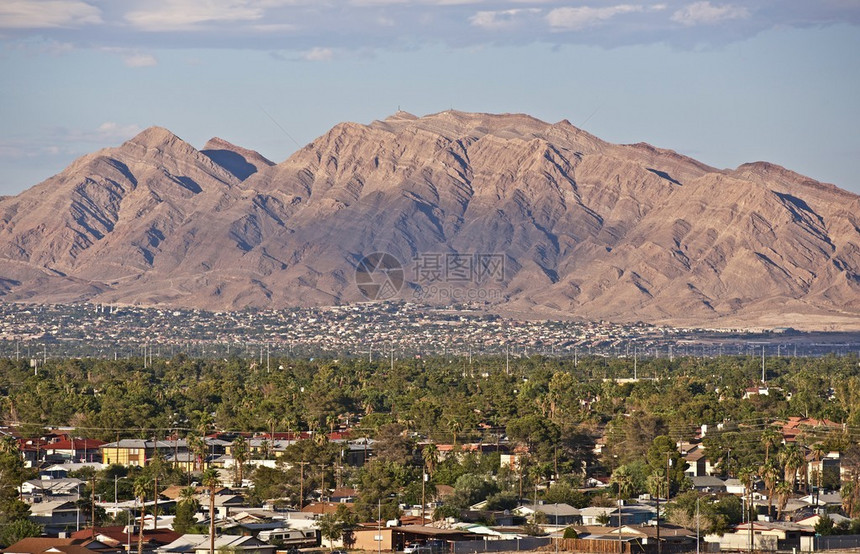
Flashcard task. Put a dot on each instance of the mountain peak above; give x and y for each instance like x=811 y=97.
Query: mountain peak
x=240 y=162
x=580 y=227
x=154 y=136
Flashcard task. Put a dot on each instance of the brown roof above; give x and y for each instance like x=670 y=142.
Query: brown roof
x=117 y=533
x=71 y=549
x=324 y=507
x=173 y=492
x=37 y=545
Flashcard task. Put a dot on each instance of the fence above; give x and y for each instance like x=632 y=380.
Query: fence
x=829 y=542
x=506 y=545
x=612 y=546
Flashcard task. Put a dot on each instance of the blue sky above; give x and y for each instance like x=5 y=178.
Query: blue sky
x=724 y=82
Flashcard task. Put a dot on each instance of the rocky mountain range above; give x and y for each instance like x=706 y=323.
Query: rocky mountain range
x=504 y=212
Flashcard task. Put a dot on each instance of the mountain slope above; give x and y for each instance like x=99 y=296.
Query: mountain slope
x=584 y=228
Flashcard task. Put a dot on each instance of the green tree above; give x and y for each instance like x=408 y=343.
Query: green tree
x=210 y=480
x=392 y=444
x=186 y=509
x=240 y=454
x=18 y=529
x=663 y=456
x=141 y=487
x=824 y=526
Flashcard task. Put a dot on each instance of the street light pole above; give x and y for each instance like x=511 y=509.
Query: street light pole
x=697 y=524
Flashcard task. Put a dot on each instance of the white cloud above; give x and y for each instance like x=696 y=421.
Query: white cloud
x=42 y=14
x=569 y=18
x=318 y=54
x=111 y=130
x=140 y=60
x=171 y=15
x=705 y=13
x=499 y=19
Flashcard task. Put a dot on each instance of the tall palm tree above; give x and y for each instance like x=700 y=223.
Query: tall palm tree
x=8 y=444
x=431 y=458
x=141 y=486
x=198 y=448
x=792 y=460
x=770 y=475
x=783 y=491
x=188 y=494
x=769 y=439
x=210 y=481
x=156 y=468
x=455 y=426
x=240 y=456
x=818 y=452
x=747 y=476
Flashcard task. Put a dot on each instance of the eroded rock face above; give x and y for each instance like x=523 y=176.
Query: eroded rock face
x=587 y=229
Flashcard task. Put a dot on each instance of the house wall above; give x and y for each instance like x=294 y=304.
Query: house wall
x=365 y=539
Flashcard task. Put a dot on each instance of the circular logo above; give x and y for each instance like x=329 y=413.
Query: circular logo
x=379 y=276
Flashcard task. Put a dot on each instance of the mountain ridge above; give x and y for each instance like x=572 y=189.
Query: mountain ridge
x=586 y=228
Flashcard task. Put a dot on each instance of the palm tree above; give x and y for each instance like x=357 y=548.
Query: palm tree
x=746 y=476
x=783 y=490
x=431 y=457
x=270 y=424
x=8 y=444
x=817 y=451
x=187 y=494
x=156 y=468
x=455 y=426
x=792 y=460
x=769 y=438
x=198 y=448
x=210 y=481
x=770 y=474
x=141 y=486
x=240 y=456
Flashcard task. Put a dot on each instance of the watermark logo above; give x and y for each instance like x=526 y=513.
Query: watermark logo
x=436 y=277
x=379 y=276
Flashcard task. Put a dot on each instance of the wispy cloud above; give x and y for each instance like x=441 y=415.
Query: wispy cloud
x=169 y=15
x=501 y=19
x=46 y=14
x=572 y=19
x=140 y=60
x=294 y=26
x=318 y=54
x=705 y=13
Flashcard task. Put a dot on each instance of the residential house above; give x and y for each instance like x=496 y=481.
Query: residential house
x=556 y=514
x=764 y=536
x=133 y=452
x=199 y=544
x=38 y=545
x=635 y=514
x=708 y=483
x=57 y=515
x=71 y=449
x=39 y=490
x=60 y=471
x=118 y=537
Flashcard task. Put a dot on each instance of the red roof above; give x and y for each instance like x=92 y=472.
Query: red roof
x=37 y=545
x=118 y=533
x=76 y=444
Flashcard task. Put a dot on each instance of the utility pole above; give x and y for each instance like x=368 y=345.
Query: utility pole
x=659 y=546
x=423 y=486
x=93 y=505
x=302 y=465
